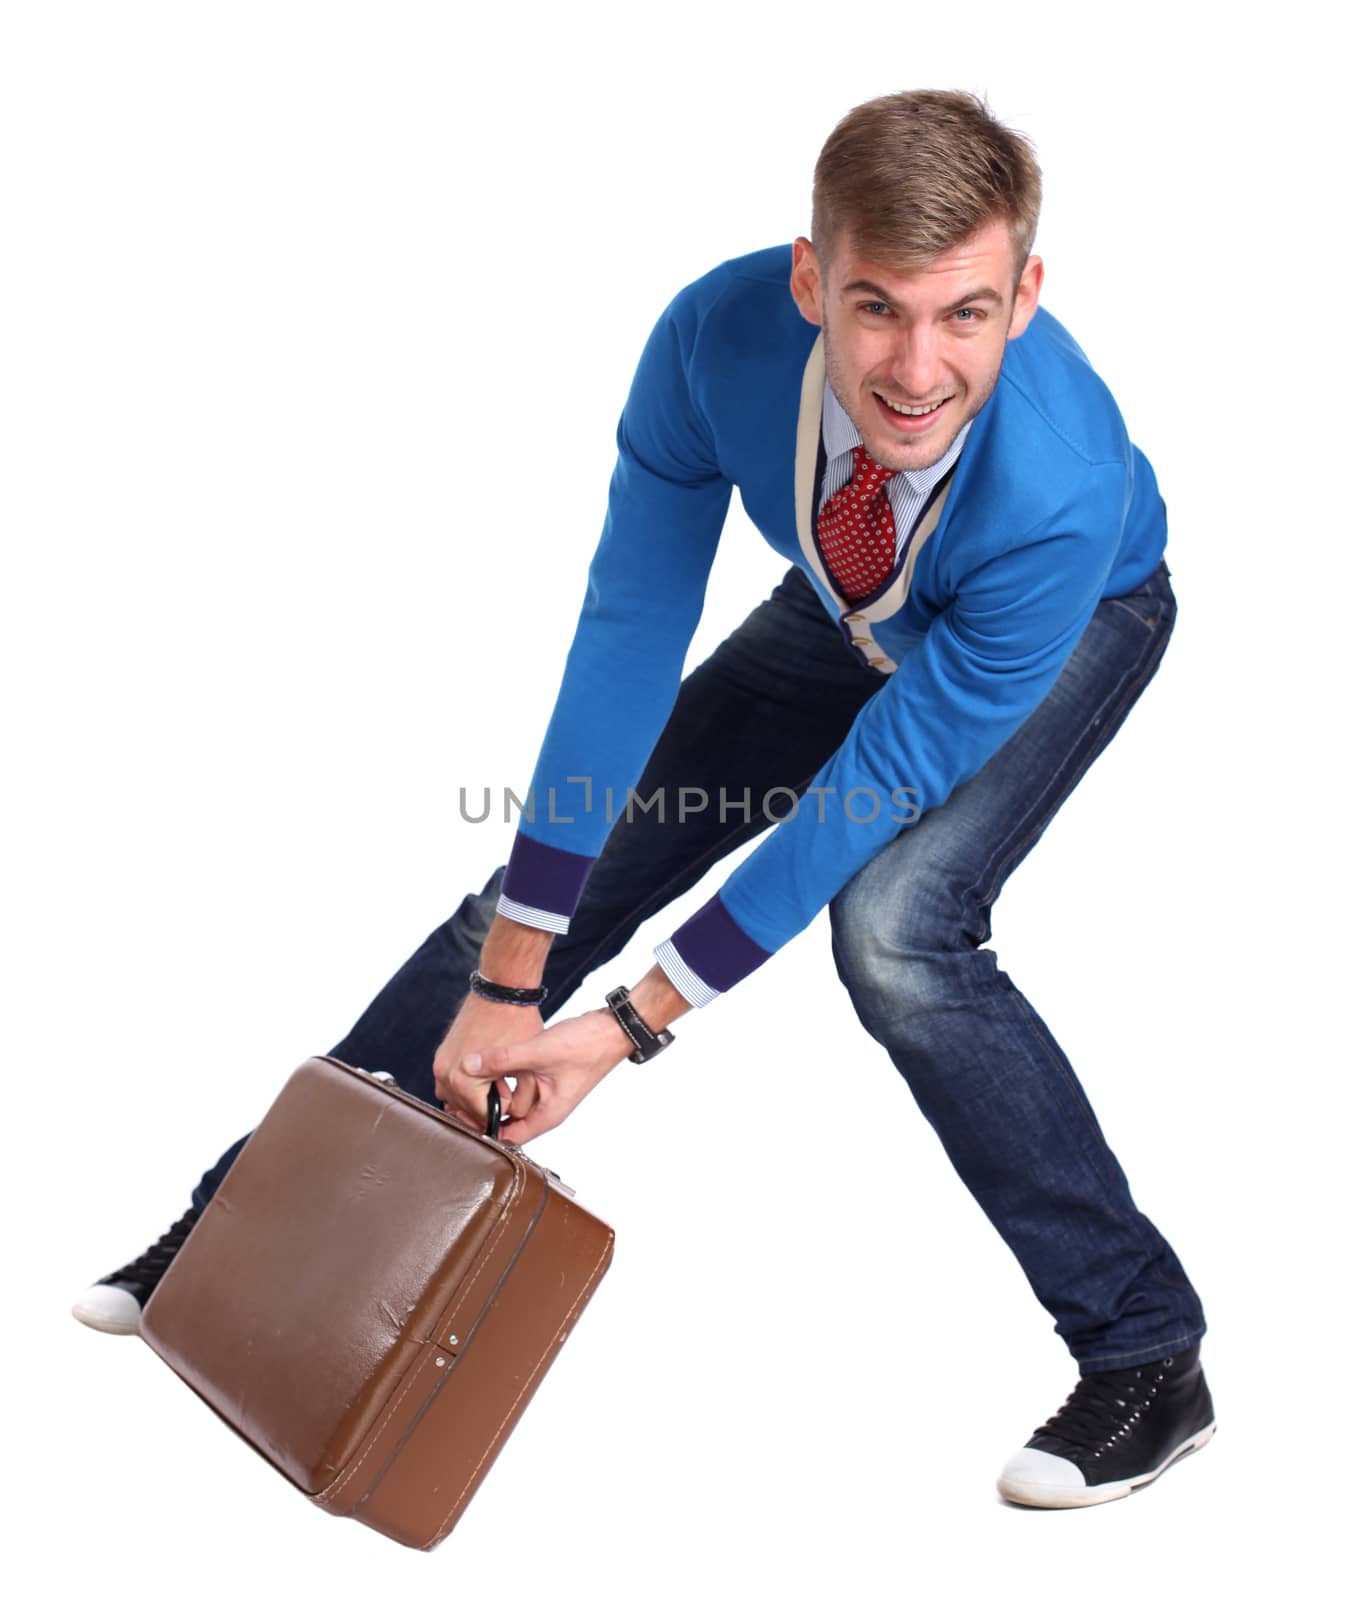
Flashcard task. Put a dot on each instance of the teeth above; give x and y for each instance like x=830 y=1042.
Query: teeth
x=912 y=411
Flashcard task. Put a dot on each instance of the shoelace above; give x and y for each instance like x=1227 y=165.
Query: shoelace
x=1103 y=1405
x=148 y=1268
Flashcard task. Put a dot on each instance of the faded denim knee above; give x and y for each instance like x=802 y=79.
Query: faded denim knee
x=900 y=936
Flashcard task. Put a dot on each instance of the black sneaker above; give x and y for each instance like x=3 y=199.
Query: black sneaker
x=1117 y=1432
x=115 y=1303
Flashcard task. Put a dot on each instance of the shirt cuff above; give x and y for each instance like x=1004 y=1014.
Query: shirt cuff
x=709 y=954
x=689 y=983
x=531 y=916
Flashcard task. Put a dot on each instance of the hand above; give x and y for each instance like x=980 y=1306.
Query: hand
x=554 y=1071
x=478 y=1025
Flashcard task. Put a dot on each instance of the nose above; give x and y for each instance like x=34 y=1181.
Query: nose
x=916 y=365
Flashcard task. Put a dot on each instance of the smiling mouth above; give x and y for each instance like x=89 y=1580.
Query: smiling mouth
x=911 y=411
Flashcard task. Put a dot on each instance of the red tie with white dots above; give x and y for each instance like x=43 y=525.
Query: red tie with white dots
x=857 y=533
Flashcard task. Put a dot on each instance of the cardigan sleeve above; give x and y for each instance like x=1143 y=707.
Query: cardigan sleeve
x=643 y=599
x=988 y=660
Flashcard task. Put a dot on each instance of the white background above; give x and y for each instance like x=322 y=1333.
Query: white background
x=280 y=282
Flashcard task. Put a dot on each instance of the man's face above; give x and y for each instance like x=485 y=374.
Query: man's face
x=896 y=346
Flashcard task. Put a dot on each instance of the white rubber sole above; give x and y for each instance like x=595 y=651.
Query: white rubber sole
x=108 y=1310
x=1057 y=1496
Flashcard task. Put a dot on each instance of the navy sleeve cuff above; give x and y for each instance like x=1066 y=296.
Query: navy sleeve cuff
x=543 y=882
x=715 y=950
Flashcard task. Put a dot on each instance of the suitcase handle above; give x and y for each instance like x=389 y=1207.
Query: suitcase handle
x=492 y=1118
x=492 y=1103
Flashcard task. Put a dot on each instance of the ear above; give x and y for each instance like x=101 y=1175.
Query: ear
x=806 y=289
x=1026 y=296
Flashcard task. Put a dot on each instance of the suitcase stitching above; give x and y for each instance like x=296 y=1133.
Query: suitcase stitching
x=456 y=1508
x=337 y=1488
x=445 y=1322
x=418 y=1418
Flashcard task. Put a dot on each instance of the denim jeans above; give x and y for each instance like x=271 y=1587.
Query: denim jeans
x=766 y=710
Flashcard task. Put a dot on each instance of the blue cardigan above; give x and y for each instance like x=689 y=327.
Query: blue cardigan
x=1049 y=509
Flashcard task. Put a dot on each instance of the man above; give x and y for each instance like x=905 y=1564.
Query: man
x=976 y=600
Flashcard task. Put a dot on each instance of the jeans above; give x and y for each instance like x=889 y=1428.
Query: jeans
x=766 y=710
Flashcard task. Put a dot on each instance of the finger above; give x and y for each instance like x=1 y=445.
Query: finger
x=455 y=1108
x=519 y=1130
x=477 y=1098
x=468 y=1101
x=508 y=1060
x=524 y=1096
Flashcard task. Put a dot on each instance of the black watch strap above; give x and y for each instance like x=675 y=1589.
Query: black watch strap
x=646 y=1043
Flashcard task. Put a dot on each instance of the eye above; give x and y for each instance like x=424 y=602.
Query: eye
x=967 y=314
x=879 y=307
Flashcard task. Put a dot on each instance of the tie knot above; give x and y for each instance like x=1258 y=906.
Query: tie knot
x=869 y=475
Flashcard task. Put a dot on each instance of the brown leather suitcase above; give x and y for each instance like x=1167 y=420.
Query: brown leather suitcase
x=373 y=1295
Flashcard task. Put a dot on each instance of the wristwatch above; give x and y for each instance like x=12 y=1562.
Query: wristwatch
x=646 y=1043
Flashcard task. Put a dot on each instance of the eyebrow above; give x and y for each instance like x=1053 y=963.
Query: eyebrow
x=866 y=286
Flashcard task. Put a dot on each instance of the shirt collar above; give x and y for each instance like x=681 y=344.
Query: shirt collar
x=841 y=437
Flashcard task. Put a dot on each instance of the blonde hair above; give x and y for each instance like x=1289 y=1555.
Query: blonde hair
x=909 y=175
